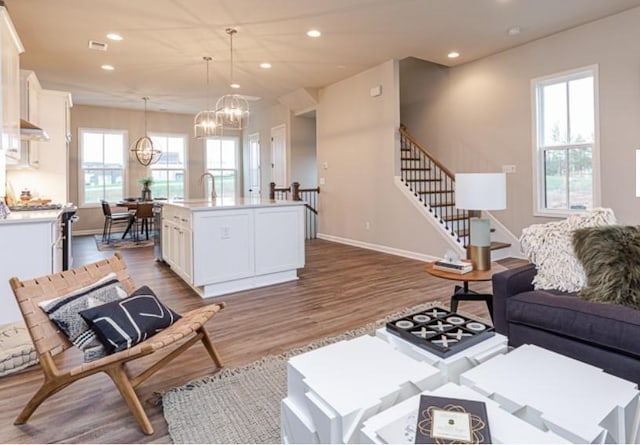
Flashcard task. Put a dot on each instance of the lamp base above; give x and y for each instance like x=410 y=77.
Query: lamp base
x=480 y=257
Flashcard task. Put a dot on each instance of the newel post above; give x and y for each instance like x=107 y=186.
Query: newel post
x=295 y=191
x=272 y=190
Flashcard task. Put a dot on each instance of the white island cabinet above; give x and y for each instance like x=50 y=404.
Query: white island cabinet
x=225 y=246
x=31 y=247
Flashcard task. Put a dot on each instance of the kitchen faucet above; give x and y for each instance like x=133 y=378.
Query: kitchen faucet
x=214 y=195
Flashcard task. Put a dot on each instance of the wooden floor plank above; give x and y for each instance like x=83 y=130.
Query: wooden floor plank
x=340 y=288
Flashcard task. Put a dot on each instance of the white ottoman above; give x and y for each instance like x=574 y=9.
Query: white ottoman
x=333 y=389
x=455 y=364
x=573 y=399
x=398 y=423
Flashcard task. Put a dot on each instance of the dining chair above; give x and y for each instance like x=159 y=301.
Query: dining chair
x=114 y=218
x=144 y=217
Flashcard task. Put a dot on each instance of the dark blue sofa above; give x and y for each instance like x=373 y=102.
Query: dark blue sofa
x=604 y=335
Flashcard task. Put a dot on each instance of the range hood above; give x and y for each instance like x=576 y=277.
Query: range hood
x=31 y=132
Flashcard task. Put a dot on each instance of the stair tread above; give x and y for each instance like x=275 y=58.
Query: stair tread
x=455 y=218
x=409 y=159
x=425 y=169
x=430 y=192
x=423 y=180
x=496 y=245
x=443 y=204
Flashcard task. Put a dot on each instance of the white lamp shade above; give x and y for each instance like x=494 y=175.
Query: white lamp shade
x=481 y=191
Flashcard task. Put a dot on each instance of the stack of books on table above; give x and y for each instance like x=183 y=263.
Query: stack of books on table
x=460 y=267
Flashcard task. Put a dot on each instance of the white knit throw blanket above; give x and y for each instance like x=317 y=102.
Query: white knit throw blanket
x=549 y=247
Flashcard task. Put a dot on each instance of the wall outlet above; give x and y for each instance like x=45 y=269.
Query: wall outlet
x=225 y=232
x=325 y=165
x=367 y=225
x=321 y=181
x=508 y=169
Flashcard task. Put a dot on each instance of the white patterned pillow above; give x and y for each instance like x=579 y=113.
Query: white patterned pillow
x=64 y=312
x=549 y=247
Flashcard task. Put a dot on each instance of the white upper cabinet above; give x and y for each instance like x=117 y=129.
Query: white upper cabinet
x=11 y=47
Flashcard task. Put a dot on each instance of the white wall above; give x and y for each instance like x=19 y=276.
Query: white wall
x=357 y=138
x=482 y=119
x=261 y=121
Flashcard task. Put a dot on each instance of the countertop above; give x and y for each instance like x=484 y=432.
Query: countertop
x=198 y=205
x=35 y=216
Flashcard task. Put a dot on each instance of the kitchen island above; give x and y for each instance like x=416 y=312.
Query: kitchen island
x=229 y=245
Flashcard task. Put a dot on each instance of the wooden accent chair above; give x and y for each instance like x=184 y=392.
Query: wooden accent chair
x=49 y=340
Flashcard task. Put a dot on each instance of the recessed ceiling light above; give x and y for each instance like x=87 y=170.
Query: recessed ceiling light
x=265 y=65
x=235 y=86
x=453 y=55
x=314 y=33
x=114 y=36
x=514 y=31
x=107 y=67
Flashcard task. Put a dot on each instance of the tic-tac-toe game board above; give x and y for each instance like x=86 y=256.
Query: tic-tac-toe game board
x=440 y=331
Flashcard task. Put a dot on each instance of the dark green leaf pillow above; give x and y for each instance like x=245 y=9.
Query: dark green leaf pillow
x=610 y=256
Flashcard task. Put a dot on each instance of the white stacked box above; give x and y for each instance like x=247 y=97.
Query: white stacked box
x=573 y=399
x=333 y=389
x=455 y=364
x=398 y=423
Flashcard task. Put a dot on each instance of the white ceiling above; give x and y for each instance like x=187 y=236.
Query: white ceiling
x=165 y=40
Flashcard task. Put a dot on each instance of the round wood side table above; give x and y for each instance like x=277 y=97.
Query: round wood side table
x=463 y=293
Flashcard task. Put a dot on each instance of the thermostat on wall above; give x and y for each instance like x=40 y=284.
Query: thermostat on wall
x=376 y=91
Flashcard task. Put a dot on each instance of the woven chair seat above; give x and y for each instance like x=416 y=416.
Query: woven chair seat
x=49 y=341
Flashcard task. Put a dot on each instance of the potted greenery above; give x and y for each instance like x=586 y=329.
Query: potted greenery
x=146 y=191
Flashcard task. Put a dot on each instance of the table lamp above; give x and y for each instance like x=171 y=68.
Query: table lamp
x=476 y=192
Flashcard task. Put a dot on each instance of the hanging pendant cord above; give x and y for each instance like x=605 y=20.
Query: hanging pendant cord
x=231 y=32
x=145 y=115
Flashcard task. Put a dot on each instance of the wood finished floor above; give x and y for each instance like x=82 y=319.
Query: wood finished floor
x=340 y=288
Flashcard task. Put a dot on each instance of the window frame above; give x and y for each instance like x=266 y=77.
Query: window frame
x=185 y=170
x=238 y=165
x=81 y=170
x=539 y=205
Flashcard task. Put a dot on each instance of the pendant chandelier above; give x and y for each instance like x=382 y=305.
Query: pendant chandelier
x=232 y=110
x=204 y=124
x=142 y=149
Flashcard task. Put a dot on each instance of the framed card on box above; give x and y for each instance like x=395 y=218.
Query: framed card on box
x=447 y=421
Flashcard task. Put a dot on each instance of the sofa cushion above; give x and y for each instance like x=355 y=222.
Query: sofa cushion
x=610 y=326
x=548 y=246
x=610 y=257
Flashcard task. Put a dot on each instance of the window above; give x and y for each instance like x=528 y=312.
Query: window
x=102 y=165
x=169 y=172
x=222 y=163
x=566 y=142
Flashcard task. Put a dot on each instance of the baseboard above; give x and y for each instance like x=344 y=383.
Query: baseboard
x=378 y=248
x=86 y=232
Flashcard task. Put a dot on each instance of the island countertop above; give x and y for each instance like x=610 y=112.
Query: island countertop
x=196 y=205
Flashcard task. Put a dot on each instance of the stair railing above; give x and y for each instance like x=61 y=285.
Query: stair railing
x=434 y=185
x=310 y=198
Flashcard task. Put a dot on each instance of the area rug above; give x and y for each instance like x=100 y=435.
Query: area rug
x=242 y=405
x=117 y=243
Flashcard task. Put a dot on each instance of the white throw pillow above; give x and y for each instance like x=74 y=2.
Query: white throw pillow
x=548 y=246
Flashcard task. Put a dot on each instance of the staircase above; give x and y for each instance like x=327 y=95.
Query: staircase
x=434 y=186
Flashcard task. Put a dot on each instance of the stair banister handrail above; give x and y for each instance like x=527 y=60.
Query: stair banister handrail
x=429 y=155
